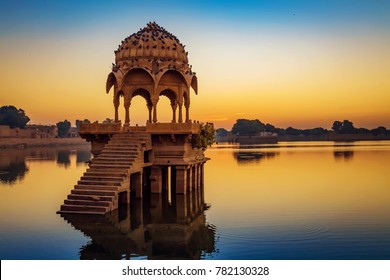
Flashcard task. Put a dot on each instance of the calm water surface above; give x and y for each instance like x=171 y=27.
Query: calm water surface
x=306 y=200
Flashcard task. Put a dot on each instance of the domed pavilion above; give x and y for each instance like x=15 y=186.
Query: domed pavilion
x=155 y=158
x=152 y=63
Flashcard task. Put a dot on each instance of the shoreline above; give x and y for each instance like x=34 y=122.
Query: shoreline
x=22 y=143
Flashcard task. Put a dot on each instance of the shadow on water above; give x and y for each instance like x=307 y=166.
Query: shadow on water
x=150 y=228
x=245 y=157
x=343 y=155
x=12 y=168
x=14 y=162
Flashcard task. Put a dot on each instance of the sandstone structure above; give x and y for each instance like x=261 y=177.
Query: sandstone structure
x=157 y=157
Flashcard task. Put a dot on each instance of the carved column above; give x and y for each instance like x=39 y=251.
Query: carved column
x=181 y=179
x=155 y=112
x=150 y=107
x=180 y=113
x=187 y=112
x=174 y=106
x=189 y=179
x=156 y=179
x=116 y=106
x=138 y=184
x=127 y=110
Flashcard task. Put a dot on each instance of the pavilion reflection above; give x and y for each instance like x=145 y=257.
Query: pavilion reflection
x=155 y=227
x=245 y=157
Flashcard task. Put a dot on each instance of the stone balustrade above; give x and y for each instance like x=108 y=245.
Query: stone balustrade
x=154 y=128
x=173 y=128
x=100 y=128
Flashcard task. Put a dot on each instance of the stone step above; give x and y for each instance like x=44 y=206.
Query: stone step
x=99 y=183
x=121 y=147
x=96 y=187
x=131 y=143
x=95 y=192
x=90 y=197
x=126 y=162
x=100 y=174
x=83 y=208
x=107 y=177
x=87 y=202
x=114 y=158
x=109 y=166
x=117 y=152
x=108 y=172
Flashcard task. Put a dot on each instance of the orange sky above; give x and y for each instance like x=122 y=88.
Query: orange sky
x=302 y=68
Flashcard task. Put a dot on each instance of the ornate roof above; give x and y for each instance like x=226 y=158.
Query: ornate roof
x=152 y=42
x=154 y=50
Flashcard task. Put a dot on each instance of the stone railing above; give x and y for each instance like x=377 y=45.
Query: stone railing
x=100 y=128
x=177 y=128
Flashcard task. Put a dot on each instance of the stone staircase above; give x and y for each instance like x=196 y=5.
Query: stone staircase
x=97 y=191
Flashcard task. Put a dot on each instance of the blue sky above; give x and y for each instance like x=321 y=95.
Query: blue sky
x=298 y=56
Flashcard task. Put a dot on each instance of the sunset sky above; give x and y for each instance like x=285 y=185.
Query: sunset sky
x=289 y=63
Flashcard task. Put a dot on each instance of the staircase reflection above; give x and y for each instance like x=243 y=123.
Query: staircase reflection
x=155 y=227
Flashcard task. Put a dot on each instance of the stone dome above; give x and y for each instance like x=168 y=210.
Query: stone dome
x=151 y=42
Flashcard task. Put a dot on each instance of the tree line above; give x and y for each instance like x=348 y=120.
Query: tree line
x=245 y=127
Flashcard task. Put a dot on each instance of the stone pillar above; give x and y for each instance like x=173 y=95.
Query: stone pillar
x=156 y=179
x=127 y=110
x=116 y=106
x=180 y=113
x=116 y=118
x=189 y=179
x=155 y=112
x=195 y=184
x=187 y=112
x=164 y=178
x=150 y=107
x=199 y=175
x=181 y=179
x=138 y=184
x=174 y=106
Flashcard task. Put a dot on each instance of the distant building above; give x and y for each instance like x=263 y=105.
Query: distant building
x=73 y=132
x=30 y=131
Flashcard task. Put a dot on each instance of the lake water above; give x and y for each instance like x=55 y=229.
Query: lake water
x=305 y=200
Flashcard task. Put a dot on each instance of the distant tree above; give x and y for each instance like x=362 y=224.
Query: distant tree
x=345 y=127
x=348 y=127
x=63 y=128
x=221 y=132
x=318 y=131
x=380 y=130
x=293 y=131
x=78 y=123
x=13 y=117
x=270 y=128
x=248 y=127
x=337 y=126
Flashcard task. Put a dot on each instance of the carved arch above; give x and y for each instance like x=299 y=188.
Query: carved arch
x=111 y=81
x=138 y=76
